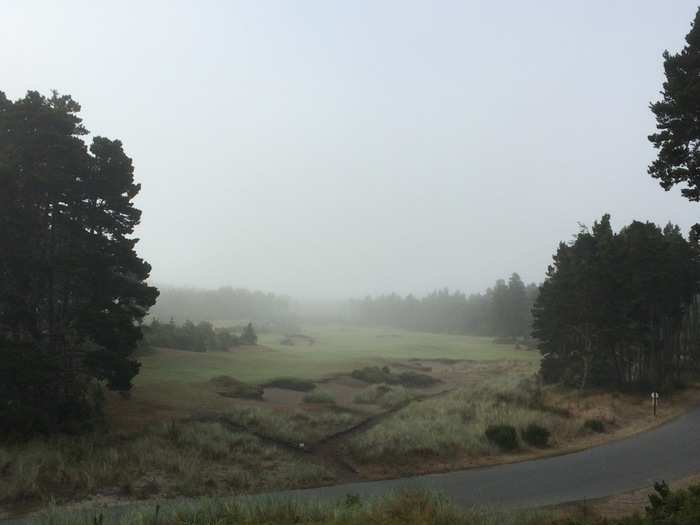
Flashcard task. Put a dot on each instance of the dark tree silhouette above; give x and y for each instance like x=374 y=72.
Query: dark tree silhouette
x=72 y=289
x=248 y=336
x=620 y=308
x=678 y=119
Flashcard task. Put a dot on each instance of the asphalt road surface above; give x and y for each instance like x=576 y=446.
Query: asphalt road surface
x=669 y=452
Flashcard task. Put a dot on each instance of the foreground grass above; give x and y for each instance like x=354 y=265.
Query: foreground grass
x=293 y=425
x=337 y=349
x=166 y=459
x=406 y=507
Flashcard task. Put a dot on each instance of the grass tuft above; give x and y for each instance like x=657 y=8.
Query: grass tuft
x=320 y=397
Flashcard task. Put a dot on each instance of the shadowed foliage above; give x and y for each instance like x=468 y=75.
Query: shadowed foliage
x=72 y=289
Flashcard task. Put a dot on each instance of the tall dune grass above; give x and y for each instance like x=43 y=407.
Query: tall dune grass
x=166 y=459
x=456 y=424
x=293 y=426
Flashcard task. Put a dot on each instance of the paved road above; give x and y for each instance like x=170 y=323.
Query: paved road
x=669 y=452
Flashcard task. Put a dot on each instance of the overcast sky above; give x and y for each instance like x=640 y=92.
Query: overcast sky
x=326 y=149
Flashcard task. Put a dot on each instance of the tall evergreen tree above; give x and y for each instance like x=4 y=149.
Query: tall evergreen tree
x=500 y=297
x=678 y=119
x=620 y=308
x=72 y=289
x=517 y=323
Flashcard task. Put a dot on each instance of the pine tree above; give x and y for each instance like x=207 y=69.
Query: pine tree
x=517 y=307
x=248 y=337
x=678 y=119
x=72 y=289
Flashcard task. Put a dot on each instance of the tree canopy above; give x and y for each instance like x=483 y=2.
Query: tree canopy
x=200 y=337
x=678 y=119
x=620 y=308
x=72 y=288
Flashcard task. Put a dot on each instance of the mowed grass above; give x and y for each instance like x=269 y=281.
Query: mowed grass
x=337 y=349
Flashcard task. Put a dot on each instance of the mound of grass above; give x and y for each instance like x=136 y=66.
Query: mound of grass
x=231 y=387
x=383 y=395
x=373 y=375
x=371 y=395
x=376 y=375
x=292 y=383
x=535 y=435
x=397 y=395
x=503 y=436
x=292 y=426
x=320 y=397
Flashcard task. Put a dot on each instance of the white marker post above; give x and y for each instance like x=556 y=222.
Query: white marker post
x=654 y=402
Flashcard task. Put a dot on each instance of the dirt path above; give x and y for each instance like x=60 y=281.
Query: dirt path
x=328 y=450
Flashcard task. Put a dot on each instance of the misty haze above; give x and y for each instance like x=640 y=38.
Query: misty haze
x=386 y=262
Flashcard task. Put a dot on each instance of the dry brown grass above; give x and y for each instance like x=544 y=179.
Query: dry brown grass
x=166 y=459
x=448 y=432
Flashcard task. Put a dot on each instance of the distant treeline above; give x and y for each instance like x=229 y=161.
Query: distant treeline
x=224 y=304
x=502 y=311
x=200 y=337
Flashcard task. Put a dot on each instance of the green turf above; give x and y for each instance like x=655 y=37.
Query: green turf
x=337 y=349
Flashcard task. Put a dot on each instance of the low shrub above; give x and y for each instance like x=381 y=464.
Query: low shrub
x=320 y=397
x=292 y=383
x=383 y=395
x=231 y=387
x=535 y=435
x=201 y=337
x=503 y=436
x=410 y=379
x=594 y=425
x=373 y=375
